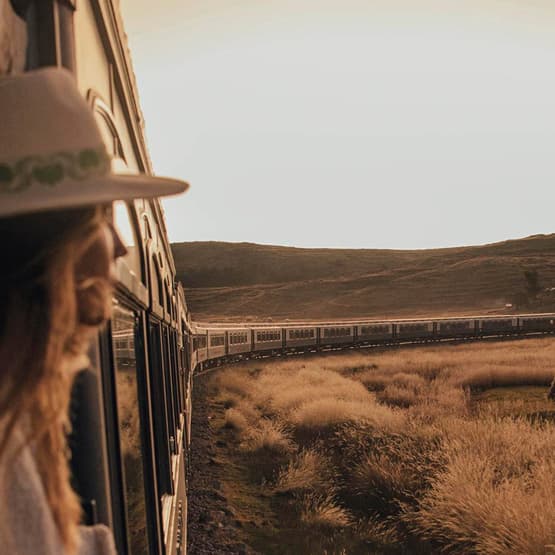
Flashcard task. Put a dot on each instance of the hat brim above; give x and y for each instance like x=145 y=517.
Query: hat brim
x=97 y=190
x=127 y=186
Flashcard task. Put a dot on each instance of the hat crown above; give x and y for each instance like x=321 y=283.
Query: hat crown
x=43 y=113
x=52 y=155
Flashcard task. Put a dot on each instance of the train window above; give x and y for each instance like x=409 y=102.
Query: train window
x=160 y=410
x=126 y=228
x=127 y=394
x=170 y=389
x=217 y=340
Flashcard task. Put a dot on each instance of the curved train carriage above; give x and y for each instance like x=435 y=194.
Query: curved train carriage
x=131 y=422
x=258 y=341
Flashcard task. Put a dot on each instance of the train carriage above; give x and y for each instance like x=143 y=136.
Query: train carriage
x=239 y=340
x=497 y=325
x=216 y=344
x=301 y=337
x=456 y=328
x=200 y=347
x=540 y=323
x=333 y=335
x=267 y=339
x=414 y=330
x=374 y=332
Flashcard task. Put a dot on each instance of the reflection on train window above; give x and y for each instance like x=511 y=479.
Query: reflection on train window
x=123 y=333
x=126 y=229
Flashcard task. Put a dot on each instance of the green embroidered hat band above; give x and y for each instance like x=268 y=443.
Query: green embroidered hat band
x=49 y=171
x=51 y=149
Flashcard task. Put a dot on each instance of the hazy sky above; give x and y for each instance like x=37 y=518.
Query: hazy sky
x=350 y=123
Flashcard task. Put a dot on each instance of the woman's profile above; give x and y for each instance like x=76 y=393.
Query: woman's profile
x=58 y=253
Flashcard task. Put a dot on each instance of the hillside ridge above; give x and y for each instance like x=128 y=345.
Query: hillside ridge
x=248 y=280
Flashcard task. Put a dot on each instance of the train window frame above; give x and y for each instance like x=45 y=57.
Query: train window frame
x=135 y=230
x=112 y=416
x=159 y=407
x=107 y=124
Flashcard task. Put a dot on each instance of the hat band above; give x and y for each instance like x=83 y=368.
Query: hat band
x=51 y=170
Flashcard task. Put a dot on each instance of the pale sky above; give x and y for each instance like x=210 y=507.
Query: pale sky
x=350 y=123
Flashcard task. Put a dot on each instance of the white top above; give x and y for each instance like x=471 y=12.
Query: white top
x=26 y=523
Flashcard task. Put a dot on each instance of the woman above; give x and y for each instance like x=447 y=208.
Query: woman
x=58 y=251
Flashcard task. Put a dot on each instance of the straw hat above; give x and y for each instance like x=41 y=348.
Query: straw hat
x=52 y=155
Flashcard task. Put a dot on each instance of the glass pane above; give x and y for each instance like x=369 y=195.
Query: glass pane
x=126 y=230
x=123 y=332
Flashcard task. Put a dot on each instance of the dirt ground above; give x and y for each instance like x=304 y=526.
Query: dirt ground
x=213 y=526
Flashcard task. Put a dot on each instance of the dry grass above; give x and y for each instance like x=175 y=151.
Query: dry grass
x=236 y=419
x=472 y=509
x=323 y=413
x=323 y=511
x=400 y=448
x=307 y=470
x=268 y=435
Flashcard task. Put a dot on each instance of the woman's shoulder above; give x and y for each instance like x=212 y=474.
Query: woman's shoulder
x=26 y=522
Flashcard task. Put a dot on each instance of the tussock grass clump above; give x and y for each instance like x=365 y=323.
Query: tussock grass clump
x=323 y=511
x=375 y=381
x=384 y=471
x=329 y=412
x=495 y=494
x=379 y=533
x=471 y=510
x=398 y=396
x=307 y=470
x=236 y=420
x=242 y=416
x=268 y=435
x=489 y=375
x=233 y=387
x=412 y=382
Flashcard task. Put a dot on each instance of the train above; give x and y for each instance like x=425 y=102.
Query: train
x=219 y=344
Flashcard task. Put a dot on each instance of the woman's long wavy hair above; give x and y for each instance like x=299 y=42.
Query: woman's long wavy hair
x=48 y=314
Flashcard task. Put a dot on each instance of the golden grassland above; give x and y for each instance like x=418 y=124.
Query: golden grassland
x=446 y=449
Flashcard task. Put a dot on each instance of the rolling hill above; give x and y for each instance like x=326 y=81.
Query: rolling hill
x=233 y=281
